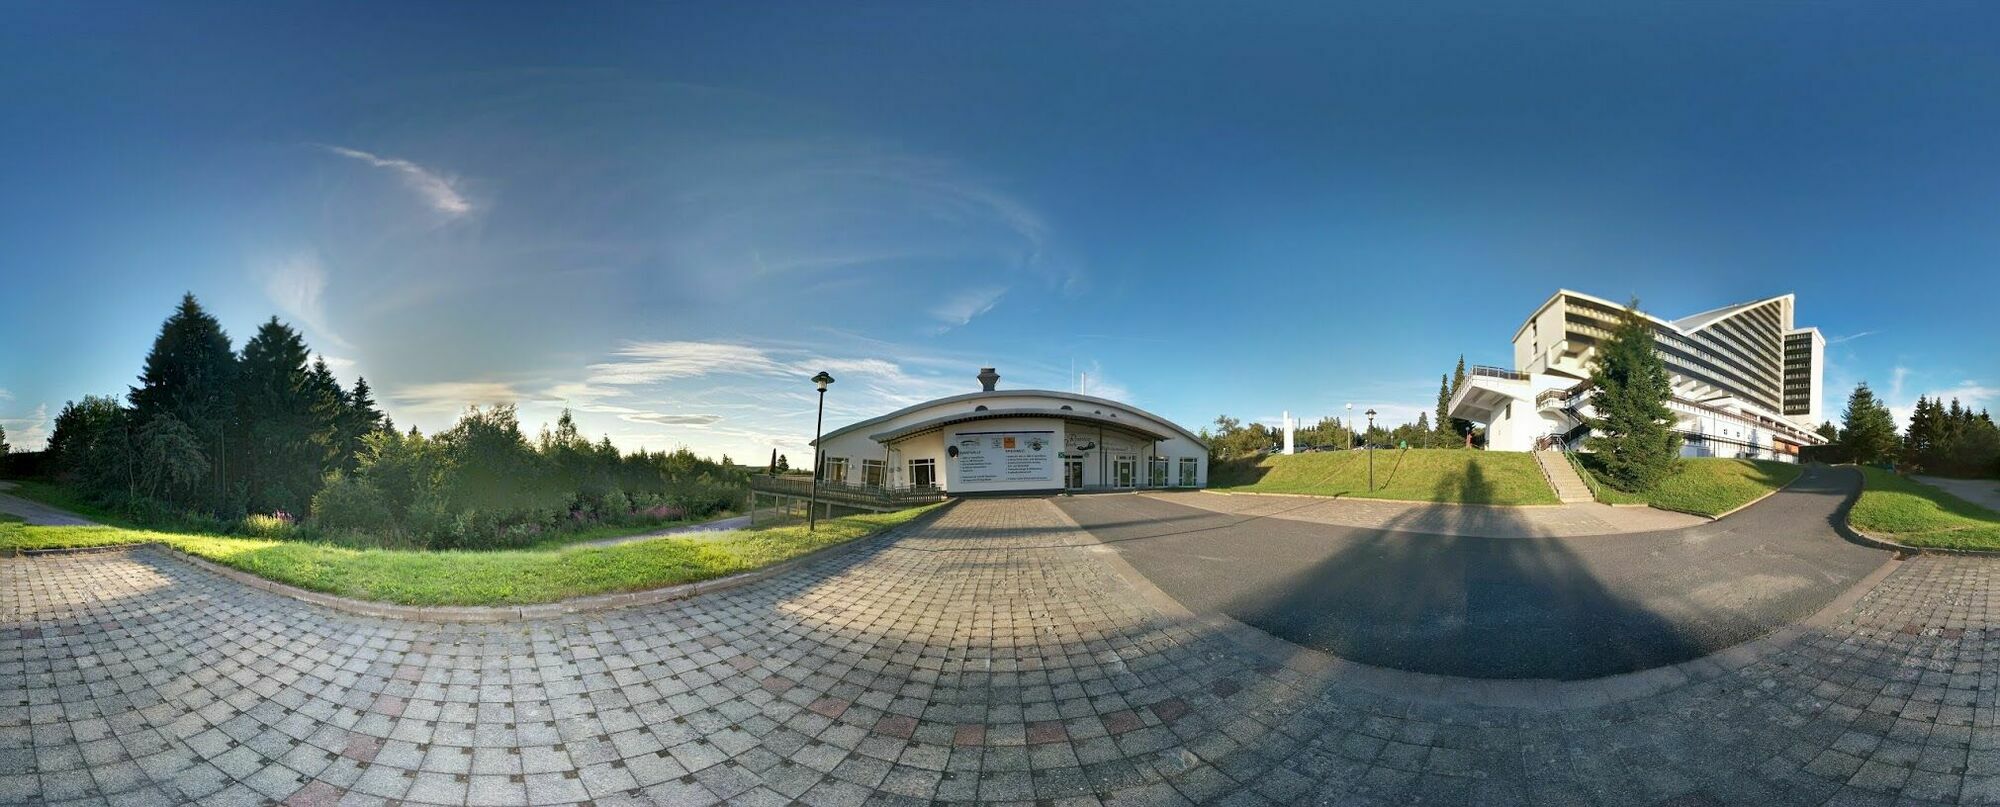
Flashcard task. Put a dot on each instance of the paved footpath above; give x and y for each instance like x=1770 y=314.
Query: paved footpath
x=35 y=512
x=1470 y=520
x=999 y=654
x=1982 y=492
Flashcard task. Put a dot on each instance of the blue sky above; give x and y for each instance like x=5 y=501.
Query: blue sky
x=667 y=218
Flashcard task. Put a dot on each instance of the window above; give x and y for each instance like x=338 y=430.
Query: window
x=836 y=469
x=1188 y=472
x=1156 y=472
x=871 y=473
x=923 y=473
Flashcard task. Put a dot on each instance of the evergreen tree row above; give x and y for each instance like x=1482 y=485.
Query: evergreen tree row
x=1954 y=441
x=208 y=430
x=219 y=434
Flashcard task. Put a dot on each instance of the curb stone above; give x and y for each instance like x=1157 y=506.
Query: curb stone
x=502 y=613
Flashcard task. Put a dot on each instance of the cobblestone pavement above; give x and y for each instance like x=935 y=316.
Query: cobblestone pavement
x=998 y=655
x=1570 y=520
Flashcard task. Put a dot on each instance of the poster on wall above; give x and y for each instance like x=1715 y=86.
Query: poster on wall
x=1005 y=457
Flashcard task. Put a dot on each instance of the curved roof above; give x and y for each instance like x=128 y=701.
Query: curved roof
x=1070 y=415
x=1066 y=396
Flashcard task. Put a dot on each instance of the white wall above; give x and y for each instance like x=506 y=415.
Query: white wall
x=1099 y=468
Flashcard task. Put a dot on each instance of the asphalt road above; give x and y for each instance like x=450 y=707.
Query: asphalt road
x=1563 y=608
x=35 y=512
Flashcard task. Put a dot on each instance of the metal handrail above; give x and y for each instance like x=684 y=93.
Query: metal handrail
x=1495 y=372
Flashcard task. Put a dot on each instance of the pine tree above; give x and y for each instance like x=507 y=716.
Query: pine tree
x=278 y=459
x=329 y=416
x=774 y=462
x=1829 y=431
x=1460 y=427
x=188 y=375
x=1927 y=440
x=1633 y=433
x=1869 y=433
x=360 y=418
x=784 y=464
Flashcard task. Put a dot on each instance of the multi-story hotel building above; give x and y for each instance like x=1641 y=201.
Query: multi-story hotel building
x=1746 y=380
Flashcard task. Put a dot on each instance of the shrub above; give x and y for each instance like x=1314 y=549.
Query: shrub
x=279 y=526
x=346 y=503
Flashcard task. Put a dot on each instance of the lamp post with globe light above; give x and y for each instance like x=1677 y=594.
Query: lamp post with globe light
x=1371 y=449
x=812 y=498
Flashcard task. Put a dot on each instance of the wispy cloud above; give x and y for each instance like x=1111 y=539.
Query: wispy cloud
x=673 y=420
x=437 y=190
x=452 y=397
x=296 y=283
x=654 y=362
x=961 y=308
x=1896 y=382
x=1836 y=340
x=5 y=395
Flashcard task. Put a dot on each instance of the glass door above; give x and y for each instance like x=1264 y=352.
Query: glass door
x=1073 y=474
x=1122 y=471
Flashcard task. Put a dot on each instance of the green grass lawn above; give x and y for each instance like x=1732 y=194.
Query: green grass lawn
x=410 y=577
x=1707 y=486
x=1417 y=474
x=70 y=499
x=1913 y=513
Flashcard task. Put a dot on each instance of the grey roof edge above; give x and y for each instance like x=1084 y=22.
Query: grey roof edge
x=972 y=396
x=944 y=420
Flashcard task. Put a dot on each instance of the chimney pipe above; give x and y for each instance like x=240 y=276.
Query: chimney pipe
x=987 y=378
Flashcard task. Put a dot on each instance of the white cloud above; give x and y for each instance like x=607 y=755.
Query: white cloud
x=452 y=397
x=437 y=191
x=653 y=362
x=961 y=308
x=672 y=420
x=5 y=395
x=1972 y=394
x=297 y=285
x=29 y=433
x=1896 y=383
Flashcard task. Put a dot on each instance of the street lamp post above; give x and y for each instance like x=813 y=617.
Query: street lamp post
x=1371 y=450
x=812 y=498
x=1349 y=428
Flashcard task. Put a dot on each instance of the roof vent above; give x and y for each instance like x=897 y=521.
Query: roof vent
x=987 y=378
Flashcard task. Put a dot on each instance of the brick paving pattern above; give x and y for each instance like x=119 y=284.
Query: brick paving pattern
x=997 y=655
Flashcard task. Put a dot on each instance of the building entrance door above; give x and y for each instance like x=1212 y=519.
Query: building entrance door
x=1122 y=471
x=1073 y=474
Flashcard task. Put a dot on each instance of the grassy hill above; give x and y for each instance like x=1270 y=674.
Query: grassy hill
x=1417 y=474
x=1915 y=514
x=1708 y=486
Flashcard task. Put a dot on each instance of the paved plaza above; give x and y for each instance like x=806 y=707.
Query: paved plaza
x=996 y=653
x=1509 y=603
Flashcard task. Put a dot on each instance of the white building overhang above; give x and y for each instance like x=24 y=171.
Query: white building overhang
x=1482 y=398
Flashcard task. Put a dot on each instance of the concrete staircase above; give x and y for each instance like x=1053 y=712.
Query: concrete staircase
x=1562 y=476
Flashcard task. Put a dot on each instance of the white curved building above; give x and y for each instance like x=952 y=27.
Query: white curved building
x=1746 y=379
x=1014 y=441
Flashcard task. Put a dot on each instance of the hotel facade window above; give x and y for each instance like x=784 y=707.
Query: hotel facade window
x=1744 y=374
x=836 y=469
x=923 y=473
x=871 y=473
